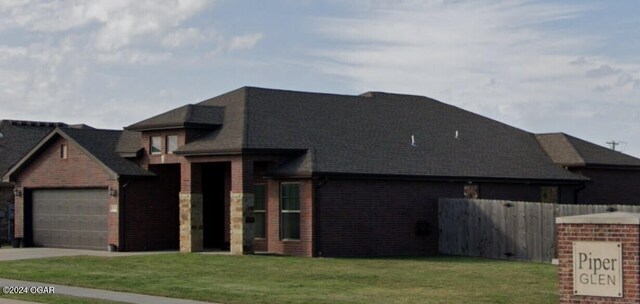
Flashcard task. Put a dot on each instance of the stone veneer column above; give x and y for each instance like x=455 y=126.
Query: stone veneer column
x=241 y=231
x=191 y=227
x=604 y=228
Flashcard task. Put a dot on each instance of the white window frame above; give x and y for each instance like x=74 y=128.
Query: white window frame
x=282 y=211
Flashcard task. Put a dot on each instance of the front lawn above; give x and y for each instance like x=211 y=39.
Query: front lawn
x=271 y=279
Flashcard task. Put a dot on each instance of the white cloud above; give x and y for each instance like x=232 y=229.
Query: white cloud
x=183 y=37
x=244 y=42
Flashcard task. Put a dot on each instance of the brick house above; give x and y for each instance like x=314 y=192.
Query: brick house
x=614 y=177
x=282 y=172
x=17 y=138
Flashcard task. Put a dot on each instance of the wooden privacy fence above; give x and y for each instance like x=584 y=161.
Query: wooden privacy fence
x=507 y=229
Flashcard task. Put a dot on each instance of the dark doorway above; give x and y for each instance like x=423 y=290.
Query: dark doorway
x=215 y=208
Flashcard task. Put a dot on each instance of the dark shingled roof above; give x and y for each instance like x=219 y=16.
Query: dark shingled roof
x=371 y=134
x=19 y=137
x=102 y=145
x=129 y=143
x=195 y=116
x=572 y=151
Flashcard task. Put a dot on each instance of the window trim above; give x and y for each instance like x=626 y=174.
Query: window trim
x=169 y=151
x=262 y=211
x=282 y=212
x=159 y=152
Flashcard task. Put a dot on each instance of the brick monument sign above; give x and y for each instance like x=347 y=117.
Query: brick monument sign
x=598 y=256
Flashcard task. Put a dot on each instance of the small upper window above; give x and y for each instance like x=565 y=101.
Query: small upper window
x=172 y=143
x=63 y=151
x=549 y=194
x=471 y=191
x=156 y=145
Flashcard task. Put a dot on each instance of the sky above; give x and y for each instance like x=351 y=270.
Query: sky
x=542 y=66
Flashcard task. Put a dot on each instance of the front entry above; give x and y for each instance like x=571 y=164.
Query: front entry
x=215 y=205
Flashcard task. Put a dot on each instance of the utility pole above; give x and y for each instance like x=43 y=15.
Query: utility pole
x=613 y=144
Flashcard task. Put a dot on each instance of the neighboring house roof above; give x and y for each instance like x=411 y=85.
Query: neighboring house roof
x=574 y=152
x=372 y=134
x=193 y=116
x=97 y=144
x=19 y=137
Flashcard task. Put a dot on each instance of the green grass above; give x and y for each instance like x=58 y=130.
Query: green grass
x=272 y=279
x=54 y=299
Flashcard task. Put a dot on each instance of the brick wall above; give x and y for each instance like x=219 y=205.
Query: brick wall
x=151 y=210
x=6 y=197
x=379 y=217
x=628 y=235
x=609 y=186
x=304 y=246
x=78 y=170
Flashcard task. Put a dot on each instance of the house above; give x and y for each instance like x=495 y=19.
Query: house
x=614 y=177
x=17 y=138
x=280 y=171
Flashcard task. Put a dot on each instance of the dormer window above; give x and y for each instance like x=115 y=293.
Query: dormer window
x=155 y=146
x=63 y=151
x=172 y=143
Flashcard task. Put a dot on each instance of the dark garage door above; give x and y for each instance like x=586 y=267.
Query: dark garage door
x=70 y=218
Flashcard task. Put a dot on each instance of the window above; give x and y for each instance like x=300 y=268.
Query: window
x=290 y=211
x=156 y=145
x=259 y=208
x=172 y=143
x=549 y=194
x=63 y=151
x=471 y=191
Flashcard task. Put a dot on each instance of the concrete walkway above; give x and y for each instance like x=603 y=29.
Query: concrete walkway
x=100 y=294
x=11 y=254
x=12 y=301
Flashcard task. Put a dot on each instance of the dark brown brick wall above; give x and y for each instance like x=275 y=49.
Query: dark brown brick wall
x=6 y=198
x=610 y=186
x=151 y=210
x=378 y=217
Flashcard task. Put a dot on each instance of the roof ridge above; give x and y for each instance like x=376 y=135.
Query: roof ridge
x=573 y=148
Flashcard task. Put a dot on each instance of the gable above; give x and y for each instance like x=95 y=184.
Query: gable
x=47 y=168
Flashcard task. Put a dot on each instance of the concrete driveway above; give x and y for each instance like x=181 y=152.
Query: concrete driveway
x=11 y=254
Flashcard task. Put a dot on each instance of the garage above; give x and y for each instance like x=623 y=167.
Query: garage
x=70 y=218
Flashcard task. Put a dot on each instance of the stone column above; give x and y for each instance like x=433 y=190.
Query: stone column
x=598 y=260
x=191 y=227
x=191 y=221
x=241 y=228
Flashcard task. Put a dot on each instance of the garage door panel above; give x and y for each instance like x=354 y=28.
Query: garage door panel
x=71 y=218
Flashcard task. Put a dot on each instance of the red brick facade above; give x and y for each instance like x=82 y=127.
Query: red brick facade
x=628 y=235
x=78 y=170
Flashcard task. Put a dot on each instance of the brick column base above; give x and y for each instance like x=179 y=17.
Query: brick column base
x=191 y=227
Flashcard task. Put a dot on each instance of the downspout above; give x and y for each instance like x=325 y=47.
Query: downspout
x=316 y=215
x=577 y=191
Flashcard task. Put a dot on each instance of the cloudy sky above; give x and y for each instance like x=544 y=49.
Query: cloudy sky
x=543 y=66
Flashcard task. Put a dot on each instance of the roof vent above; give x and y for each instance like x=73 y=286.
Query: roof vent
x=413 y=141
